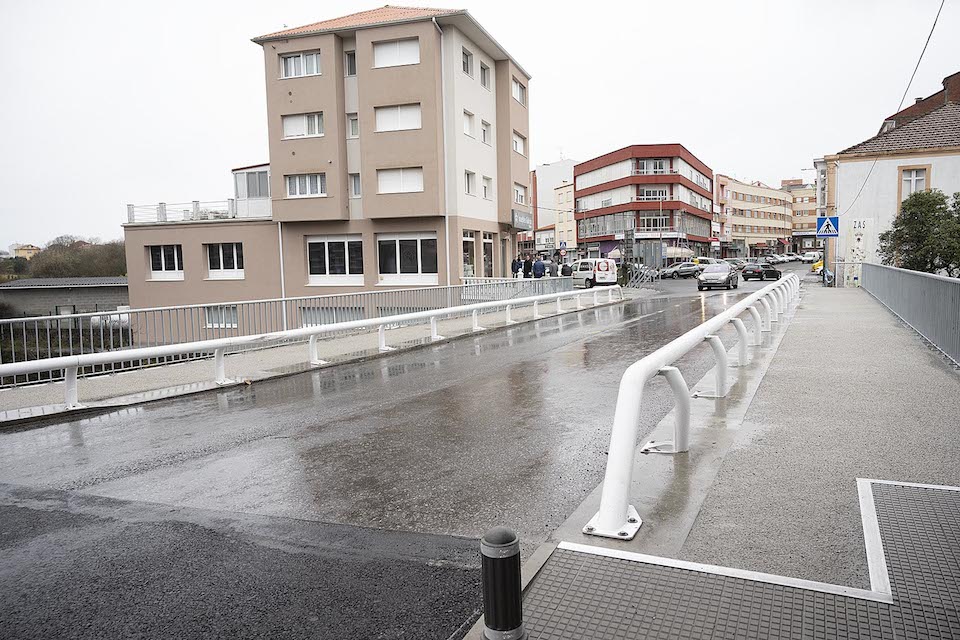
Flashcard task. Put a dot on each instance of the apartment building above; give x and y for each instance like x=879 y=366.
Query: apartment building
x=804 y=214
x=661 y=195
x=398 y=145
x=760 y=217
x=566 y=225
x=544 y=179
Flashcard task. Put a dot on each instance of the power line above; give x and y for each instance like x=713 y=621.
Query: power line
x=899 y=106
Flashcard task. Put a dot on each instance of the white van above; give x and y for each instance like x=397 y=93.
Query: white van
x=593 y=271
x=810 y=256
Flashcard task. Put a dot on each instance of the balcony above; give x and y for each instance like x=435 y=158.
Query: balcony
x=650 y=198
x=653 y=172
x=196 y=211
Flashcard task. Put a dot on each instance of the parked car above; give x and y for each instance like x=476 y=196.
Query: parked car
x=792 y=256
x=760 y=271
x=705 y=261
x=681 y=270
x=593 y=271
x=736 y=263
x=718 y=275
x=810 y=256
x=817 y=267
x=776 y=258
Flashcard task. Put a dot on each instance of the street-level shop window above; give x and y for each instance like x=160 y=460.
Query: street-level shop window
x=335 y=260
x=407 y=258
x=225 y=261
x=166 y=261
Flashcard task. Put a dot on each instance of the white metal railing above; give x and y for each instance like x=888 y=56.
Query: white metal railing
x=71 y=365
x=197 y=210
x=617 y=518
x=655 y=198
x=653 y=172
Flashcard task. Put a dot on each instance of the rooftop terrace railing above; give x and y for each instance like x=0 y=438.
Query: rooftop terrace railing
x=929 y=303
x=72 y=365
x=26 y=339
x=617 y=518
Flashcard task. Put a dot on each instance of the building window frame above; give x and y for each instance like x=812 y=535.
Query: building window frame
x=356 y=187
x=409 y=117
x=305 y=185
x=312 y=120
x=342 y=254
x=389 y=248
x=221 y=254
x=466 y=61
x=519 y=92
x=400 y=62
x=485 y=76
x=470 y=182
x=349 y=63
x=486 y=133
x=353 y=126
x=520 y=143
x=221 y=316
x=298 y=63
x=909 y=173
x=165 y=261
x=487 y=188
x=415 y=176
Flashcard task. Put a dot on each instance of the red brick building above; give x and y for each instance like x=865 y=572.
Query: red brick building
x=660 y=194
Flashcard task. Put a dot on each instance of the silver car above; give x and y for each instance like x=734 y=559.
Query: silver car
x=718 y=275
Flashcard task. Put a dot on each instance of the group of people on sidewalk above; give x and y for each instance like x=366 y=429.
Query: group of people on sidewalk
x=523 y=266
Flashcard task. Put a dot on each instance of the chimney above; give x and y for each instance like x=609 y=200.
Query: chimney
x=951 y=87
x=917 y=100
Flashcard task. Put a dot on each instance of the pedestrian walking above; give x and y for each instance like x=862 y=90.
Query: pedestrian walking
x=538 y=268
x=553 y=269
x=516 y=266
x=527 y=267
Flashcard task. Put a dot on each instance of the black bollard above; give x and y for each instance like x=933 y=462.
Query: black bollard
x=500 y=569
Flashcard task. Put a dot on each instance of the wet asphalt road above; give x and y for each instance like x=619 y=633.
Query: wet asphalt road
x=509 y=428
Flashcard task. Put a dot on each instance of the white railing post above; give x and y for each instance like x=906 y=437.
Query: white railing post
x=131 y=216
x=382 y=339
x=195 y=213
x=596 y=298
x=162 y=212
x=70 y=388
x=476 y=321
x=314 y=352
x=772 y=299
x=681 y=424
x=781 y=300
x=580 y=306
x=509 y=315
x=231 y=208
x=219 y=368
x=766 y=313
x=742 y=342
x=720 y=353
x=757 y=325
x=434 y=330
x=559 y=306
x=536 y=310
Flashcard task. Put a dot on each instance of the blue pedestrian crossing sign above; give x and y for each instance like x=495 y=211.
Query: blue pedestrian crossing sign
x=827 y=227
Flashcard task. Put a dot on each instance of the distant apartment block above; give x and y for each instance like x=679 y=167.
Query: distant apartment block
x=804 y=214
x=544 y=180
x=398 y=145
x=659 y=194
x=760 y=217
x=566 y=225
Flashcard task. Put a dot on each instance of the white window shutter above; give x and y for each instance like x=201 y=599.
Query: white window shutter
x=387 y=118
x=388 y=181
x=413 y=179
x=409 y=116
x=409 y=51
x=294 y=126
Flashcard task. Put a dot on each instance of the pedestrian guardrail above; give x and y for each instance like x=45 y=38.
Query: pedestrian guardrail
x=929 y=303
x=617 y=518
x=34 y=338
x=72 y=365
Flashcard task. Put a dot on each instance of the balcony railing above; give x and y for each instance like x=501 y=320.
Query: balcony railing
x=197 y=210
x=650 y=198
x=653 y=172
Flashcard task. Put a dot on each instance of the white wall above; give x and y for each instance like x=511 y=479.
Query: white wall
x=874 y=211
x=610 y=172
x=466 y=153
x=620 y=195
x=549 y=177
x=687 y=171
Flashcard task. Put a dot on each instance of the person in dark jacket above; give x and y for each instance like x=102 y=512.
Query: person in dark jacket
x=516 y=265
x=527 y=267
x=553 y=269
x=566 y=270
x=538 y=268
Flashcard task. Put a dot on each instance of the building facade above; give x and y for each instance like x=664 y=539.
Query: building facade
x=658 y=199
x=804 y=214
x=566 y=225
x=398 y=145
x=25 y=251
x=917 y=149
x=760 y=218
x=59 y=296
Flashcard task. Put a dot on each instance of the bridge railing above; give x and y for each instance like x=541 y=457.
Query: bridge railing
x=35 y=338
x=71 y=366
x=617 y=518
x=929 y=303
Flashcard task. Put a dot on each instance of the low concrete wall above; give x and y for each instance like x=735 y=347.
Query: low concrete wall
x=49 y=301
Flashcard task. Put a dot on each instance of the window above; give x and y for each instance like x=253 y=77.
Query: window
x=303 y=125
x=307 y=185
x=641 y=167
x=659 y=166
x=354 y=185
x=335 y=260
x=295 y=65
x=220 y=317
x=468 y=122
x=912 y=180
x=467 y=60
x=469 y=254
x=485 y=135
x=519 y=144
x=519 y=92
x=484 y=76
x=225 y=261
x=353 y=125
x=606 y=202
x=398 y=117
x=394 y=53
x=350 y=63
x=251 y=184
x=166 y=261
x=519 y=193
x=405 y=180
x=407 y=258
x=488 y=188
x=487 y=254
x=470 y=183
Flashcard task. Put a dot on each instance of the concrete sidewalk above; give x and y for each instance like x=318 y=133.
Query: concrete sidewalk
x=153 y=383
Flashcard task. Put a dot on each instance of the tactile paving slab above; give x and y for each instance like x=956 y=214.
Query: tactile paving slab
x=582 y=595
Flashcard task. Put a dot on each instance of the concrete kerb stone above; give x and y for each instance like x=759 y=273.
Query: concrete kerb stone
x=299 y=362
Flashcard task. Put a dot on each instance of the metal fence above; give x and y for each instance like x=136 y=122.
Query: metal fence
x=23 y=339
x=928 y=303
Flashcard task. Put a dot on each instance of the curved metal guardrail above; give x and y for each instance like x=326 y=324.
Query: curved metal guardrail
x=70 y=365
x=617 y=518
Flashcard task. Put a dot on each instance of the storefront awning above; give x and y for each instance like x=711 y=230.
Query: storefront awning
x=679 y=252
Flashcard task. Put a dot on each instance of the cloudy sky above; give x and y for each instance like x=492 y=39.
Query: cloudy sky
x=108 y=103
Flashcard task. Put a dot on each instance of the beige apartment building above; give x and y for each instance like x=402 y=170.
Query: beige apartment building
x=566 y=225
x=804 y=214
x=398 y=142
x=760 y=218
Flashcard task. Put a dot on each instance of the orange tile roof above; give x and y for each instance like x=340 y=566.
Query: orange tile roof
x=384 y=14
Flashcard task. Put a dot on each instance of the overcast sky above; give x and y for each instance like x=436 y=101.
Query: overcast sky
x=108 y=103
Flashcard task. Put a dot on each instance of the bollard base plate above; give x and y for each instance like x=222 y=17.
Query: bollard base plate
x=664 y=446
x=514 y=634
x=437 y=338
x=626 y=531
x=386 y=349
x=318 y=363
